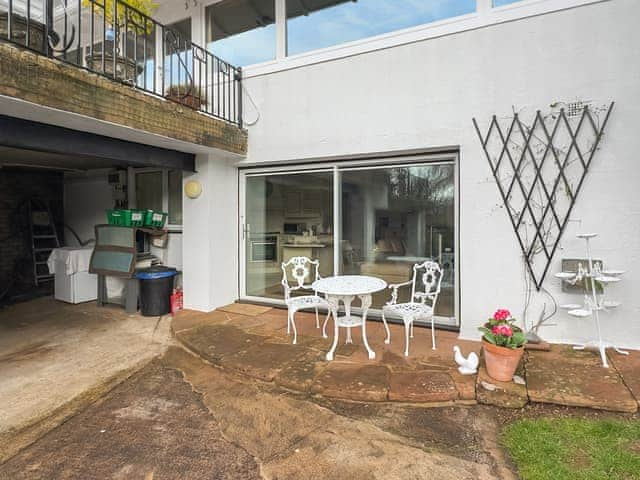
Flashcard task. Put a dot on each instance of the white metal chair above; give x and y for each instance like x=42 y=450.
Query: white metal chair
x=299 y=268
x=430 y=275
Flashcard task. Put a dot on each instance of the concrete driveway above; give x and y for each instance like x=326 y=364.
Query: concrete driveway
x=56 y=358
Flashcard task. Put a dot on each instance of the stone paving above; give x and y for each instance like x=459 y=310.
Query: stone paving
x=252 y=340
x=180 y=417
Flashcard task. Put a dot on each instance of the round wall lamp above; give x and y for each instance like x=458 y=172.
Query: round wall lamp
x=193 y=189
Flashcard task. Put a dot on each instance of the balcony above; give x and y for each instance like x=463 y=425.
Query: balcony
x=122 y=44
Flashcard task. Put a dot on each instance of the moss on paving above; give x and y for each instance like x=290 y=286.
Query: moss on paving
x=573 y=448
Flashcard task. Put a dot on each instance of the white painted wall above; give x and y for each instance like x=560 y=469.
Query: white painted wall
x=425 y=94
x=210 y=236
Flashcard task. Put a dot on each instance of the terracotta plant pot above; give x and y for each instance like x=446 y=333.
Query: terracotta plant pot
x=190 y=101
x=501 y=362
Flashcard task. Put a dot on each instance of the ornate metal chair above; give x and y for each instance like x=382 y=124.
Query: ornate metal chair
x=421 y=304
x=300 y=270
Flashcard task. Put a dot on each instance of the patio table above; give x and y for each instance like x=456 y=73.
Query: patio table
x=344 y=288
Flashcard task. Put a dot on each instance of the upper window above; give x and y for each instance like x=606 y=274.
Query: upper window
x=314 y=24
x=500 y=3
x=178 y=61
x=242 y=32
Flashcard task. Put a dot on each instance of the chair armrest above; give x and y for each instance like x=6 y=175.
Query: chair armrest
x=398 y=285
x=287 y=290
x=394 y=291
x=424 y=296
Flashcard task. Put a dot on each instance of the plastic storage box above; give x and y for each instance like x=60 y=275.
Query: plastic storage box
x=125 y=218
x=154 y=219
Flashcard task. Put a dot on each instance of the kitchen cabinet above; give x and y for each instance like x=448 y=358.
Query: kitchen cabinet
x=307 y=203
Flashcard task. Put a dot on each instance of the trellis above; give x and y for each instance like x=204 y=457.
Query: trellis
x=539 y=177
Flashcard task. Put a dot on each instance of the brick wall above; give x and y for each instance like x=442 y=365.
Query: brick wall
x=17 y=186
x=44 y=81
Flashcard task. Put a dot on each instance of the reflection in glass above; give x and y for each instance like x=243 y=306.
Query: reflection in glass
x=286 y=215
x=242 y=32
x=178 y=62
x=322 y=23
x=394 y=217
x=500 y=3
x=175 y=197
x=149 y=191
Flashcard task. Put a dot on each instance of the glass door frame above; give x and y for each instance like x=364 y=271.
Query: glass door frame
x=337 y=166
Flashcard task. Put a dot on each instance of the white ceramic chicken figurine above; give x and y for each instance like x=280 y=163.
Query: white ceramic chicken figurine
x=466 y=366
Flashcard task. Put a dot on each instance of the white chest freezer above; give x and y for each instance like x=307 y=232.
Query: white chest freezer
x=73 y=282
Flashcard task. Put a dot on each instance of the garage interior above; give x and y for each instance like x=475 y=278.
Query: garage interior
x=56 y=184
x=59 y=350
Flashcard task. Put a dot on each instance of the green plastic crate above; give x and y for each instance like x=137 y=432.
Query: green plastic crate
x=114 y=217
x=133 y=218
x=125 y=218
x=154 y=219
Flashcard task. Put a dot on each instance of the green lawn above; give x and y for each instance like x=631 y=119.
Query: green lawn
x=576 y=449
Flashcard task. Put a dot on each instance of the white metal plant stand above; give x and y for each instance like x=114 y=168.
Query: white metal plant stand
x=345 y=288
x=592 y=304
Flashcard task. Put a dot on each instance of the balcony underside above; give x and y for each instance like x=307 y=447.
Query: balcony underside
x=30 y=77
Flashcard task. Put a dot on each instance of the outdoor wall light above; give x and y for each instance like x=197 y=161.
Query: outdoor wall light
x=193 y=189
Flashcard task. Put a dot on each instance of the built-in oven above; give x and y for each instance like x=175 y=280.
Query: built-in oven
x=293 y=228
x=264 y=247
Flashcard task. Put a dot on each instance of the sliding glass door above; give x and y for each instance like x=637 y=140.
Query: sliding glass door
x=286 y=215
x=395 y=217
x=377 y=220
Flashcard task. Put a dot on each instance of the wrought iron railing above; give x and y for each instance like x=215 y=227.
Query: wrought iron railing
x=111 y=38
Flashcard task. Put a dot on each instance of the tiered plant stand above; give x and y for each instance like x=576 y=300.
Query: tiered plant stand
x=590 y=278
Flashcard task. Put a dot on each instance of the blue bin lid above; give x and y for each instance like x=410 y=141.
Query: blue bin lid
x=154 y=273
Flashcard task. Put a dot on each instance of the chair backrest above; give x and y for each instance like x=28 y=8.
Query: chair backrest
x=425 y=284
x=302 y=270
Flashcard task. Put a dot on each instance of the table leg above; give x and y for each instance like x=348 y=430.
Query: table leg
x=347 y=311
x=334 y=303
x=365 y=304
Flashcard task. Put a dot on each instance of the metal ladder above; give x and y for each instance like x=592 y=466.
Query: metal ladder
x=44 y=238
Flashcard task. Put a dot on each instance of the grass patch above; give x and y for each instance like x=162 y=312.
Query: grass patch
x=574 y=448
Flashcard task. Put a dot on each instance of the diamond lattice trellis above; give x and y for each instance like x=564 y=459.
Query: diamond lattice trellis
x=539 y=170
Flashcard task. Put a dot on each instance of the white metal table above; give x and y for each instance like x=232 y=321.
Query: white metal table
x=344 y=288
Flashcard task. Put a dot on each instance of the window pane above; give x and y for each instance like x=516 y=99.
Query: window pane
x=178 y=61
x=242 y=32
x=149 y=191
x=499 y=3
x=323 y=23
x=175 y=197
x=393 y=218
x=287 y=215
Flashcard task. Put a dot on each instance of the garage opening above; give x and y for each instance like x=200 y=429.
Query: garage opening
x=56 y=185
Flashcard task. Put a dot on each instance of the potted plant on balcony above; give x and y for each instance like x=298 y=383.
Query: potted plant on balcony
x=503 y=345
x=120 y=18
x=192 y=96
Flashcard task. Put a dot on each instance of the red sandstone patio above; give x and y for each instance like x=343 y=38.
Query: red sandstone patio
x=251 y=340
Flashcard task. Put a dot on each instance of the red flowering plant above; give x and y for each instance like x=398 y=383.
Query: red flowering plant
x=501 y=331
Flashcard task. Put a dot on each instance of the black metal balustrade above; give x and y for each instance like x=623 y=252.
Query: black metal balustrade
x=111 y=38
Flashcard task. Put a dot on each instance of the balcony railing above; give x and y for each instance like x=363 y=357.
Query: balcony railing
x=113 y=39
